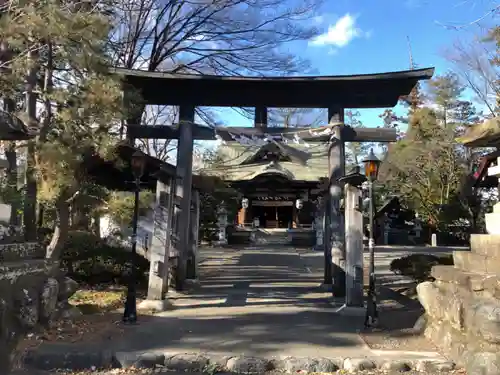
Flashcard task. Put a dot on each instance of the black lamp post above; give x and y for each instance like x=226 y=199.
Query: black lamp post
x=137 y=164
x=372 y=164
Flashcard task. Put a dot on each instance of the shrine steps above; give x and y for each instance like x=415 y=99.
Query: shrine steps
x=271 y=236
x=462 y=305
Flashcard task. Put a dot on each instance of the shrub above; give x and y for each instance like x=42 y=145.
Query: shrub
x=418 y=266
x=91 y=260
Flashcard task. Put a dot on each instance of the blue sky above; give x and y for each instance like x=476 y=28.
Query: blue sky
x=370 y=36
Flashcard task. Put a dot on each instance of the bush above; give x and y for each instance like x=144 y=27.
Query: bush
x=91 y=260
x=418 y=266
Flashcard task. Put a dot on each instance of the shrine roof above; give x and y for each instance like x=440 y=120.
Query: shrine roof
x=348 y=91
x=115 y=172
x=12 y=128
x=233 y=154
x=486 y=134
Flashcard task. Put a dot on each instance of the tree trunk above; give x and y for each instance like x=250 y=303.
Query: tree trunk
x=41 y=213
x=14 y=201
x=96 y=224
x=29 y=216
x=11 y=156
x=55 y=248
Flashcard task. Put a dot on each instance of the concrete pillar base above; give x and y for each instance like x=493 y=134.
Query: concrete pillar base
x=326 y=287
x=350 y=310
x=155 y=305
x=191 y=283
x=319 y=248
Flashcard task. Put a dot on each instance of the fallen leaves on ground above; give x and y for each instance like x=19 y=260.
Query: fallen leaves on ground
x=164 y=371
x=117 y=371
x=91 y=300
x=97 y=325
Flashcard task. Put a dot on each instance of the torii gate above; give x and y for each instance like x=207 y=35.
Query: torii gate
x=332 y=92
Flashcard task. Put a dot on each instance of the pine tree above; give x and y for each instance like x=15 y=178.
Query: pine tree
x=58 y=47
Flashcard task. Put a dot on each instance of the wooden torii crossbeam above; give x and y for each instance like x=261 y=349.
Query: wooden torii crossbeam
x=206 y=133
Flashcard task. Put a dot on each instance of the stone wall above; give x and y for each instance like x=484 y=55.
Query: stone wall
x=463 y=306
x=32 y=293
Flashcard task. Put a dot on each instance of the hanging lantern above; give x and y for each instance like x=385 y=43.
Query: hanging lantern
x=299 y=204
x=138 y=163
x=244 y=203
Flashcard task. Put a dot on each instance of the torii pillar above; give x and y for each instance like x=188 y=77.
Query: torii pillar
x=334 y=219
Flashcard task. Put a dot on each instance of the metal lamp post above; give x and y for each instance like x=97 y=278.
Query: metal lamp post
x=137 y=164
x=372 y=164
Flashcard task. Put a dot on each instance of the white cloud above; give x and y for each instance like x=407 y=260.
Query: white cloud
x=341 y=33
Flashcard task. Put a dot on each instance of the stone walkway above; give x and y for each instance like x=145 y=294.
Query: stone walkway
x=253 y=302
x=258 y=302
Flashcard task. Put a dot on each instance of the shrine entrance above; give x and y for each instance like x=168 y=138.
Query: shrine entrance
x=276 y=147
x=273 y=214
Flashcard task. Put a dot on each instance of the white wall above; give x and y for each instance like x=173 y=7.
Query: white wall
x=144 y=230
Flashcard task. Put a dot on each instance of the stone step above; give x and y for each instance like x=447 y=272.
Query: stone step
x=470 y=281
x=486 y=244
x=477 y=263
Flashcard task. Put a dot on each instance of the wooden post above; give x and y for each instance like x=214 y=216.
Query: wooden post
x=192 y=272
x=183 y=183
x=327 y=243
x=241 y=216
x=134 y=112
x=159 y=252
x=336 y=164
x=354 y=247
x=260 y=117
x=319 y=224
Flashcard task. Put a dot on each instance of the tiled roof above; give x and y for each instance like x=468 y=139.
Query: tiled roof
x=233 y=154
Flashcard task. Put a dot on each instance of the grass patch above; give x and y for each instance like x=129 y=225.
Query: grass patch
x=91 y=301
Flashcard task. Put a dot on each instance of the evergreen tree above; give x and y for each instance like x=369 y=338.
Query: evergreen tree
x=57 y=46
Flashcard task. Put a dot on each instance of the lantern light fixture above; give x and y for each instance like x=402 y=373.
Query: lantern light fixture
x=372 y=164
x=299 y=204
x=244 y=203
x=138 y=163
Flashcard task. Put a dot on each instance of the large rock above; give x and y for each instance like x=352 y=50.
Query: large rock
x=459 y=346
x=483 y=318
x=296 y=364
x=451 y=341
x=485 y=244
x=247 y=365
x=470 y=262
x=49 y=297
x=450 y=274
x=67 y=288
x=192 y=362
x=28 y=302
x=485 y=363
x=440 y=305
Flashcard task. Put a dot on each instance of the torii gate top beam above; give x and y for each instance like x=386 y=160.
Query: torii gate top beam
x=348 y=91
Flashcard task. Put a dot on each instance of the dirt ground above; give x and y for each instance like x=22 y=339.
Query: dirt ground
x=101 y=320
x=399 y=310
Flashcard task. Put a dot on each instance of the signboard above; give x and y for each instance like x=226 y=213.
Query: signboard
x=276 y=198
